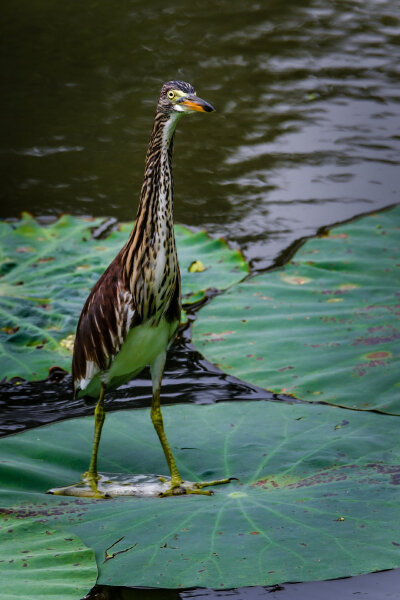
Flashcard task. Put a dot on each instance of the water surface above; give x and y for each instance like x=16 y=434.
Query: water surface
x=307 y=131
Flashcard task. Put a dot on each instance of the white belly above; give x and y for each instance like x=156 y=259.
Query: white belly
x=142 y=346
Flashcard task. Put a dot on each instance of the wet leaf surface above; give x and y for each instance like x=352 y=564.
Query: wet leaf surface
x=47 y=272
x=326 y=327
x=313 y=492
x=39 y=562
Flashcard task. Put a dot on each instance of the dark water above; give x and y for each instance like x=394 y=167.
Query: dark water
x=187 y=378
x=307 y=93
x=375 y=586
x=307 y=134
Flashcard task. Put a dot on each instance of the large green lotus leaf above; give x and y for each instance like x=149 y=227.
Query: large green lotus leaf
x=48 y=271
x=318 y=495
x=325 y=327
x=39 y=563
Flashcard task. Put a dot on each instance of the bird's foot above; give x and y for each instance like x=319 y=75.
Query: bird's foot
x=180 y=487
x=113 y=485
x=92 y=479
x=87 y=487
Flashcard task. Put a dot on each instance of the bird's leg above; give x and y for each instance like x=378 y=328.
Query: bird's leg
x=157 y=370
x=178 y=486
x=91 y=475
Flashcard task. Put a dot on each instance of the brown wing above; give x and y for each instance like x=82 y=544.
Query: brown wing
x=106 y=318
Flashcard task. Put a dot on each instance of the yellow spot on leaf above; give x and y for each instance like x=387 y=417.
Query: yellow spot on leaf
x=197 y=267
x=295 y=280
x=45 y=259
x=348 y=286
x=378 y=355
x=217 y=337
x=336 y=235
x=10 y=330
x=335 y=300
x=23 y=249
x=68 y=342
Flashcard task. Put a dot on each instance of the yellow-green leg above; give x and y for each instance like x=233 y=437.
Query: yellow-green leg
x=178 y=486
x=91 y=475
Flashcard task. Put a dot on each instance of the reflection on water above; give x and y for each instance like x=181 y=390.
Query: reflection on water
x=306 y=133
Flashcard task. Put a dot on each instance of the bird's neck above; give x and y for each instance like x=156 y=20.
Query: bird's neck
x=157 y=190
x=154 y=220
x=156 y=199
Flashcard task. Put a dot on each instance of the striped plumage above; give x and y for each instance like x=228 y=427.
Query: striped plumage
x=132 y=314
x=142 y=284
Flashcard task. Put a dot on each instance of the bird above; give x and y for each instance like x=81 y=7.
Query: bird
x=132 y=314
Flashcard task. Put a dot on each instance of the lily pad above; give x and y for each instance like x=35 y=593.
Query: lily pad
x=47 y=272
x=39 y=563
x=317 y=496
x=323 y=328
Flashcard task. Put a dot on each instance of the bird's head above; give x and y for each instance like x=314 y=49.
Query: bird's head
x=180 y=97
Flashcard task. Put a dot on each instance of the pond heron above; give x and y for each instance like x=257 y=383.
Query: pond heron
x=132 y=314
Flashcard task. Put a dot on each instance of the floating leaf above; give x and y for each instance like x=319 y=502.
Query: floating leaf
x=325 y=327
x=48 y=271
x=317 y=496
x=37 y=562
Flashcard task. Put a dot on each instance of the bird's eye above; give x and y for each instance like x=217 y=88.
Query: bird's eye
x=171 y=94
